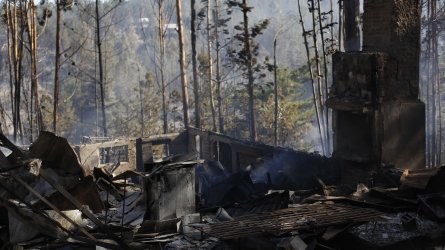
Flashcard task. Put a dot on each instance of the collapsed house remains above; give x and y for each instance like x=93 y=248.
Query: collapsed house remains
x=203 y=190
x=138 y=194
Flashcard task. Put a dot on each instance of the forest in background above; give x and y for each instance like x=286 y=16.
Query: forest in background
x=258 y=70
x=133 y=61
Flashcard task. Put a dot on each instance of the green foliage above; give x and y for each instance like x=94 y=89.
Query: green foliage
x=295 y=111
x=235 y=114
x=238 y=51
x=203 y=73
x=126 y=119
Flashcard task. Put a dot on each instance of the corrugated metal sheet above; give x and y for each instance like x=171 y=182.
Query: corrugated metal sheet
x=268 y=203
x=290 y=219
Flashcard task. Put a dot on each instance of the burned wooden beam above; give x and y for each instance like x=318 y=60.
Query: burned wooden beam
x=9 y=145
x=30 y=189
x=84 y=211
x=34 y=223
x=56 y=153
x=85 y=192
x=91 y=241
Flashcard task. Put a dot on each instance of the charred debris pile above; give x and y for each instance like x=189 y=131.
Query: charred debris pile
x=136 y=194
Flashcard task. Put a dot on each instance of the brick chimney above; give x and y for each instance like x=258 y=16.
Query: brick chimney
x=377 y=116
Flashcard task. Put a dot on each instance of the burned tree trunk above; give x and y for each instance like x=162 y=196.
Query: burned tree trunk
x=275 y=91
x=340 y=24
x=32 y=37
x=182 y=65
x=331 y=21
x=314 y=94
x=161 y=66
x=351 y=25
x=318 y=70
x=427 y=82
x=250 y=93
x=195 y=67
x=436 y=140
x=325 y=76
x=101 y=71
x=17 y=56
x=209 y=51
x=57 y=67
x=10 y=60
x=218 y=68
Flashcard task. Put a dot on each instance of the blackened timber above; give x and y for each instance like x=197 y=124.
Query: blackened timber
x=9 y=145
x=91 y=241
x=30 y=189
x=84 y=211
x=185 y=100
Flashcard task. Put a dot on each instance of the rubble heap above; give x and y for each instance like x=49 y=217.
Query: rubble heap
x=51 y=200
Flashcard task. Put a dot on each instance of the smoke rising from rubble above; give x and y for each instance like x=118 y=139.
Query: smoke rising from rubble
x=294 y=170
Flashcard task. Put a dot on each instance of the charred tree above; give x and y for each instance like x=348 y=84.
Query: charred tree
x=21 y=32
x=434 y=57
x=252 y=124
x=340 y=25
x=427 y=83
x=10 y=59
x=57 y=66
x=195 y=67
x=275 y=91
x=245 y=58
x=314 y=91
x=331 y=29
x=101 y=70
x=182 y=65
x=17 y=30
x=210 y=66
x=218 y=68
x=161 y=34
x=325 y=76
x=35 y=100
x=351 y=25
x=318 y=74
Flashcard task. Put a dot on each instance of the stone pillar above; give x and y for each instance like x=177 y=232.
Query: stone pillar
x=393 y=27
x=377 y=116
